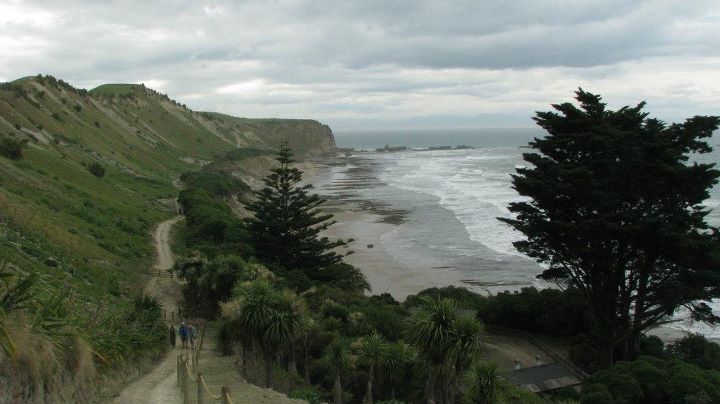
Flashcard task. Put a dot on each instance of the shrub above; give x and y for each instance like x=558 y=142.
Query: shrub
x=244 y=153
x=96 y=169
x=77 y=107
x=652 y=380
x=211 y=282
x=598 y=394
x=696 y=349
x=342 y=276
x=308 y=394
x=12 y=148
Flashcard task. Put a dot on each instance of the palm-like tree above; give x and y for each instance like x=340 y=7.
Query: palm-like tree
x=282 y=327
x=251 y=313
x=14 y=296
x=270 y=318
x=337 y=354
x=429 y=329
x=308 y=330
x=483 y=382
x=371 y=350
x=46 y=317
x=396 y=361
x=465 y=343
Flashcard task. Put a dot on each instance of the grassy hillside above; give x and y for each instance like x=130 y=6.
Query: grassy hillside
x=91 y=235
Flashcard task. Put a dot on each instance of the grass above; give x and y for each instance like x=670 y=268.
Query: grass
x=89 y=236
x=114 y=89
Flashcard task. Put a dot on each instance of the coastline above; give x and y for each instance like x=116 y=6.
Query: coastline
x=369 y=224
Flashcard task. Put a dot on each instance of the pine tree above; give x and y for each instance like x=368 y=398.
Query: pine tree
x=616 y=211
x=287 y=223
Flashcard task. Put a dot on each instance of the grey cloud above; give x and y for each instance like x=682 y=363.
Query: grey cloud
x=390 y=61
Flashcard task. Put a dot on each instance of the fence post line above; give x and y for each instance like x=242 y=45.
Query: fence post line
x=200 y=392
x=225 y=392
x=185 y=387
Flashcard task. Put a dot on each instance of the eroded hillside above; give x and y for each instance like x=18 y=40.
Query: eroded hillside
x=86 y=230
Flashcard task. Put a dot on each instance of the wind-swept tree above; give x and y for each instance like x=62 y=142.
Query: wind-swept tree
x=286 y=227
x=615 y=210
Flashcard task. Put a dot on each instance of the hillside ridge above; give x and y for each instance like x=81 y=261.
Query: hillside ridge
x=84 y=177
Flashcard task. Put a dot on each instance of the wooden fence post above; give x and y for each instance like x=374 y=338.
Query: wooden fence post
x=225 y=393
x=202 y=336
x=185 y=385
x=178 y=371
x=200 y=392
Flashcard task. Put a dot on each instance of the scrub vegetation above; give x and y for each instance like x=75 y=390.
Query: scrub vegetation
x=84 y=178
x=299 y=320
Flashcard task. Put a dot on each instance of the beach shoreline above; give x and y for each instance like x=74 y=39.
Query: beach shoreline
x=369 y=224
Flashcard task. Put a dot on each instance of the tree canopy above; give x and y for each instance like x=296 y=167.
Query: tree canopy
x=287 y=223
x=615 y=210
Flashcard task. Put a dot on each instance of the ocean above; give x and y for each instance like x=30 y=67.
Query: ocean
x=450 y=201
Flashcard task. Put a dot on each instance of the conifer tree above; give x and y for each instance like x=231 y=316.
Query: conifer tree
x=287 y=223
x=616 y=211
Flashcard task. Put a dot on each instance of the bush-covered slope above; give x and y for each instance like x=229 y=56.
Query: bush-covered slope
x=88 y=231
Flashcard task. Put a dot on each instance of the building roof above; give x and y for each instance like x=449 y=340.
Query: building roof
x=541 y=378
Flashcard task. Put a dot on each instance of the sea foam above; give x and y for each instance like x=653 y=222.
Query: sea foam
x=474 y=184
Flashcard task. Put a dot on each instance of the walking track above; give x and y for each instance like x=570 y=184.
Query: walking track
x=159 y=386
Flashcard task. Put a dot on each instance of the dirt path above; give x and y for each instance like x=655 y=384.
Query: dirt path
x=159 y=386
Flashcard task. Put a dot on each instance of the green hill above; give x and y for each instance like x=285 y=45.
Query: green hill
x=90 y=236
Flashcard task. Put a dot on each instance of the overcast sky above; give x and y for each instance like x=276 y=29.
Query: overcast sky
x=377 y=64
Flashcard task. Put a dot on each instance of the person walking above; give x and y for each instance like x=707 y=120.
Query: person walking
x=192 y=334
x=172 y=335
x=183 y=331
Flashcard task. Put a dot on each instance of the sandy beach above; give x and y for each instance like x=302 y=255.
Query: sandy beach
x=369 y=224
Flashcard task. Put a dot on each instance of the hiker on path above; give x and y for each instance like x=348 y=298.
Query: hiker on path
x=192 y=334
x=183 y=331
x=172 y=335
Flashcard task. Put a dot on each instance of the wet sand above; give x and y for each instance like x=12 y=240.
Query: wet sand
x=368 y=223
x=385 y=273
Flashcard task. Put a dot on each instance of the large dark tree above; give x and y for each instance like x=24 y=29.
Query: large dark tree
x=287 y=223
x=615 y=211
